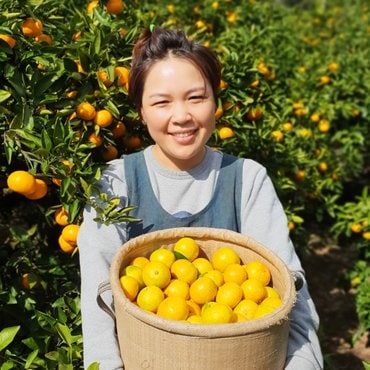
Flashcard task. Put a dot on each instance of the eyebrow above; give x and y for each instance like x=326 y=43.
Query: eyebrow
x=191 y=91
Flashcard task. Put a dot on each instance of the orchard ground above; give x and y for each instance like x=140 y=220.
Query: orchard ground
x=327 y=265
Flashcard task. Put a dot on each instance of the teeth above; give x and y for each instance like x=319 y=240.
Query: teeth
x=183 y=134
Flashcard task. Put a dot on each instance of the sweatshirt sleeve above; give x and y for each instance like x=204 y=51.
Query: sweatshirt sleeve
x=263 y=218
x=97 y=245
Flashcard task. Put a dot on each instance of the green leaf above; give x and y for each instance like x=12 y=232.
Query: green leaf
x=4 y=95
x=65 y=334
x=46 y=141
x=30 y=358
x=93 y=366
x=7 y=335
x=7 y=365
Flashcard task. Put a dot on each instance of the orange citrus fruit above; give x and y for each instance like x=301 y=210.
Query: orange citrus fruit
x=21 y=182
x=254 y=290
x=95 y=139
x=104 y=78
x=31 y=27
x=184 y=270
x=149 y=298
x=203 y=265
x=203 y=290
x=121 y=74
x=61 y=216
x=119 y=130
x=86 y=111
x=186 y=247
x=259 y=271
x=156 y=273
x=91 y=5
x=194 y=308
x=195 y=319
x=225 y=132
x=103 y=118
x=216 y=313
x=9 y=40
x=109 y=152
x=262 y=311
x=177 y=288
x=163 y=255
x=66 y=246
x=223 y=257
x=132 y=143
x=115 y=6
x=43 y=38
x=136 y=272
x=39 y=191
x=219 y=112
x=70 y=232
x=130 y=286
x=235 y=273
x=255 y=114
x=139 y=261
x=230 y=294
x=271 y=292
x=272 y=302
x=215 y=275
x=247 y=308
x=173 y=308
x=324 y=125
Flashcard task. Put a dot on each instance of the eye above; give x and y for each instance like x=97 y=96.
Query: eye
x=197 y=98
x=160 y=103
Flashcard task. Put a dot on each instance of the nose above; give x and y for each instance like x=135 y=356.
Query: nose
x=181 y=113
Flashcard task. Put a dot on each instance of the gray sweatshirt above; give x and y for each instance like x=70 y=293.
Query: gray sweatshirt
x=262 y=218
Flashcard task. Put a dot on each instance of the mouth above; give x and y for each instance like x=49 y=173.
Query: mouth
x=183 y=134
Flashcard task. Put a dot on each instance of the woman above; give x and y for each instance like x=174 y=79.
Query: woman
x=180 y=181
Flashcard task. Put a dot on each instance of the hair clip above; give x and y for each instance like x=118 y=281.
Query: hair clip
x=151 y=27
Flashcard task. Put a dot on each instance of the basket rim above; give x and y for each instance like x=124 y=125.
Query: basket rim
x=277 y=317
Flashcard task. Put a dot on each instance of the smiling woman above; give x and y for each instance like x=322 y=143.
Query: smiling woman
x=179 y=181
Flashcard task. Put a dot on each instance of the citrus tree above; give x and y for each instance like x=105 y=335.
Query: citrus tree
x=294 y=96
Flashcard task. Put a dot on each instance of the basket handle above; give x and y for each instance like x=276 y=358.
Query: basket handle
x=102 y=288
x=298 y=280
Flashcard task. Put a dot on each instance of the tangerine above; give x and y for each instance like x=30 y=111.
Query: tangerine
x=253 y=289
x=186 y=247
x=31 y=27
x=103 y=118
x=21 y=182
x=40 y=190
x=149 y=298
x=9 y=40
x=173 y=308
x=203 y=290
x=130 y=286
x=156 y=273
x=230 y=294
x=223 y=257
x=86 y=111
x=259 y=271
x=184 y=270
x=163 y=255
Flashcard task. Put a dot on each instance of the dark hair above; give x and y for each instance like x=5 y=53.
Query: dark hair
x=157 y=45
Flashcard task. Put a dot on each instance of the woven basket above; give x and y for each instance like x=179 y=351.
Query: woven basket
x=148 y=341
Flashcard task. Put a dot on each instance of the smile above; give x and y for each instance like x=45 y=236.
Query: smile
x=184 y=134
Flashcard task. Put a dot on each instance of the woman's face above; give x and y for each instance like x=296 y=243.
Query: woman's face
x=179 y=110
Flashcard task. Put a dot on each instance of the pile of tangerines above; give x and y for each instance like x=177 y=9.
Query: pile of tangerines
x=178 y=284
x=34 y=188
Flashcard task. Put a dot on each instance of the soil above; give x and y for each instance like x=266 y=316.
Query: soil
x=327 y=265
